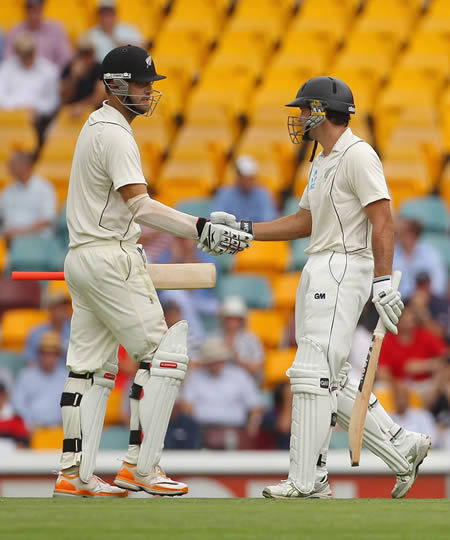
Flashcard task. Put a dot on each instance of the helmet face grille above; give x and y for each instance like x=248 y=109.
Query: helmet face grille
x=299 y=126
x=121 y=89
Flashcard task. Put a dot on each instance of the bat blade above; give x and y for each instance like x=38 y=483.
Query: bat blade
x=361 y=404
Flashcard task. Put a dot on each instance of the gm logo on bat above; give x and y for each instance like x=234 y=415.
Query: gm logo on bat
x=319 y=296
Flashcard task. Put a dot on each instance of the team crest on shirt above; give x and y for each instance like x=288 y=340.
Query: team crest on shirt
x=312 y=182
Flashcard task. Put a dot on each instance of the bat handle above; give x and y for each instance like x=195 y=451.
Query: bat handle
x=380 y=329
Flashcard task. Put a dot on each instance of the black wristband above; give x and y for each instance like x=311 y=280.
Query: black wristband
x=201 y=222
x=246 y=226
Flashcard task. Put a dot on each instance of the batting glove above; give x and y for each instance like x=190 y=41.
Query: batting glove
x=388 y=303
x=228 y=219
x=216 y=239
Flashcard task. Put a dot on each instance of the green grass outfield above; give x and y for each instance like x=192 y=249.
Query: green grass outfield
x=198 y=519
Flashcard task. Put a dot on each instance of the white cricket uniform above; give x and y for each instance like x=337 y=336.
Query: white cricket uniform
x=337 y=279
x=114 y=300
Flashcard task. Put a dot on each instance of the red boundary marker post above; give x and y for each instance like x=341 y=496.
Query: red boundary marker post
x=28 y=276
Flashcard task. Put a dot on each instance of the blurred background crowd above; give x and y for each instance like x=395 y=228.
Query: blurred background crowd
x=218 y=141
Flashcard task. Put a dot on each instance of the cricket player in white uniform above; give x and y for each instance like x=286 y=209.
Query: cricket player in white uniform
x=114 y=300
x=345 y=208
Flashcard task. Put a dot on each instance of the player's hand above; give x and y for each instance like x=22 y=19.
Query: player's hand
x=217 y=239
x=228 y=219
x=387 y=302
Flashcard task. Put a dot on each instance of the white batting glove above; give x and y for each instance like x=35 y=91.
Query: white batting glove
x=228 y=219
x=216 y=239
x=387 y=302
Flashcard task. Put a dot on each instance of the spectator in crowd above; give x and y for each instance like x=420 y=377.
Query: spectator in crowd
x=412 y=355
x=246 y=348
x=50 y=37
x=39 y=387
x=412 y=419
x=28 y=205
x=58 y=304
x=13 y=432
x=437 y=400
x=222 y=395
x=432 y=311
x=276 y=422
x=246 y=199
x=413 y=256
x=29 y=81
x=109 y=33
x=81 y=87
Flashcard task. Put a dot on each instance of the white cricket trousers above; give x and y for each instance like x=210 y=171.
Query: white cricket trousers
x=333 y=289
x=114 y=302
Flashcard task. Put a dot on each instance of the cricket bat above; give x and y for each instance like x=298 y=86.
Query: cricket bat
x=163 y=276
x=359 y=412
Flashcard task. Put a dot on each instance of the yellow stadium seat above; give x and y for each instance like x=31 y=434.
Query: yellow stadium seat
x=309 y=48
x=445 y=119
x=72 y=14
x=250 y=44
x=233 y=97
x=268 y=325
x=16 y=324
x=386 y=397
x=47 y=438
x=437 y=17
x=277 y=362
x=11 y=13
x=407 y=177
x=58 y=287
x=376 y=49
x=267 y=15
x=185 y=179
x=284 y=288
x=200 y=15
x=397 y=18
x=428 y=51
x=335 y=17
x=392 y=104
x=269 y=258
x=58 y=146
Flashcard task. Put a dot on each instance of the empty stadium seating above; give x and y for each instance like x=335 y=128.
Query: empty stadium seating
x=16 y=323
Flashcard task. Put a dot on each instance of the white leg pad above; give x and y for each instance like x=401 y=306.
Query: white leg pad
x=92 y=415
x=312 y=413
x=169 y=366
x=74 y=389
x=381 y=435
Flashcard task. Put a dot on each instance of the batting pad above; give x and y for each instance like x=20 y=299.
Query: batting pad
x=312 y=413
x=74 y=390
x=380 y=432
x=92 y=416
x=169 y=366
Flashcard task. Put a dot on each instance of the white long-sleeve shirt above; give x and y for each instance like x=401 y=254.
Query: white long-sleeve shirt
x=34 y=88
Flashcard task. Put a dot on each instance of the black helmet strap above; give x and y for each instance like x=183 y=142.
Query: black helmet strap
x=313 y=153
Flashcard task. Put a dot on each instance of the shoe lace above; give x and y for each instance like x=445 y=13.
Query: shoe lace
x=158 y=471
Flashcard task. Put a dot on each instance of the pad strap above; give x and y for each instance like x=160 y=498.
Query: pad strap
x=72 y=445
x=70 y=399
x=135 y=436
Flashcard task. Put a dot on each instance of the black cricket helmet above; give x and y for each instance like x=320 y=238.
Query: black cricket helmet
x=130 y=64
x=320 y=94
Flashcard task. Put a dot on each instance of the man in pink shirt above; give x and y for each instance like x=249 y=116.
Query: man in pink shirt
x=50 y=37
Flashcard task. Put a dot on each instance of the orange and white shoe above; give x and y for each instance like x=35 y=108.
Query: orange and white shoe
x=156 y=483
x=70 y=485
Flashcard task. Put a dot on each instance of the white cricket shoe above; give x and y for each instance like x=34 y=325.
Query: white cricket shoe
x=155 y=483
x=417 y=453
x=286 y=489
x=70 y=485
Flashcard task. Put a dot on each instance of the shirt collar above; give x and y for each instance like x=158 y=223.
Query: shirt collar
x=343 y=141
x=110 y=114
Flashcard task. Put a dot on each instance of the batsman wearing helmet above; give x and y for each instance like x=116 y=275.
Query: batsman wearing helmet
x=114 y=300
x=345 y=209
